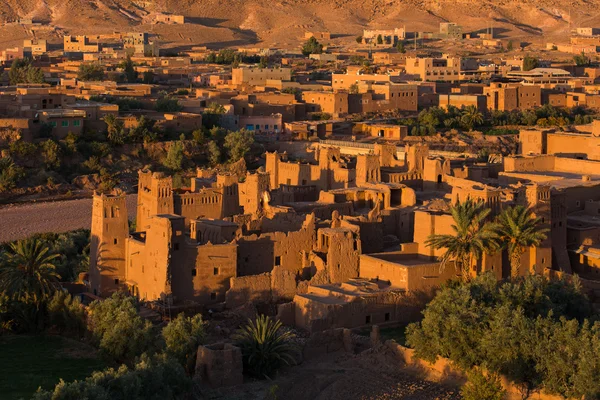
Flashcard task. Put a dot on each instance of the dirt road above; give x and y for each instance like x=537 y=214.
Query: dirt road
x=20 y=221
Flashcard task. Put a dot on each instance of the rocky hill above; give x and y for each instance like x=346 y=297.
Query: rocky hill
x=282 y=22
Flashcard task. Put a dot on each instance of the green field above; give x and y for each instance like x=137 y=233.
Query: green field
x=396 y=333
x=28 y=362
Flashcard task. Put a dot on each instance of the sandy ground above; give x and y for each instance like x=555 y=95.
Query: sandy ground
x=21 y=221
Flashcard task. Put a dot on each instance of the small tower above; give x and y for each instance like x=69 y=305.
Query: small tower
x=110 y=229
x=228 y=183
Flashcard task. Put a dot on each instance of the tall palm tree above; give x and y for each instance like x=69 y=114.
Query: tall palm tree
x=519 y=229
x=27 y=273
x=473 y=237
x=471 y=117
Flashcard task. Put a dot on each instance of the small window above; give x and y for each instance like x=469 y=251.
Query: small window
x=77 y=123
x=64 y=124
x=193 y=271
x=53 y=124
x=176 y=246
x=387 y=316
x=278 y=260
x=213 y=296
x=543 y=261
x=115 y=241
x=117 y=281
x=216 y=271
x=368 y=319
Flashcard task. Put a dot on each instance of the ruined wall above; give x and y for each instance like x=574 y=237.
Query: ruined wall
x=260 y=253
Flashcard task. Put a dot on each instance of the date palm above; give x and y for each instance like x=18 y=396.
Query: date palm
x=27 y=273
x=519 y=229
x=471 y=117
x=265 y=346
x=473 y=236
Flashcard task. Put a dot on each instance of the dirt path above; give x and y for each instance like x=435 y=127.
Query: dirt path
x=22 y=220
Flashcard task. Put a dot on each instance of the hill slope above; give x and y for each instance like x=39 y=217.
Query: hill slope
x=282 y=22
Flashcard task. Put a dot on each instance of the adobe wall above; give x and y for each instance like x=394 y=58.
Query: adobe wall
x=539 y=163
x=260 y=253
x=574 y=144
x=444 y=370
x=245 y=289
x=405 y=276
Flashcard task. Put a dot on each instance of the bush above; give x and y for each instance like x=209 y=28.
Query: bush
x=174 y=159
x=90 y=72
x=533 y=331
x=182 y=337
x=152 y=378
x=10 y=174
x=481 y=387
x=265 y=346
x=312 y=46
x=238 y=144
x=118 y=330
x=66 y=314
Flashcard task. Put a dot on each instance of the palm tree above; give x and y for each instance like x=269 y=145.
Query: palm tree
x=519 y=229
x=265 y=346
x=471 y=117
x=473 y=237
x=27 y=273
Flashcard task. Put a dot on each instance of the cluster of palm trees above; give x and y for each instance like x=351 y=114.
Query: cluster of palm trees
x=514 y=230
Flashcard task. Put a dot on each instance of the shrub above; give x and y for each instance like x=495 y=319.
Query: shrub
x=66 y=314
x=482 y=387
x=117 y=328
x=265 y=346
x=152 y=378
x=174 y=159
x=238 y=144
x=533 y=331
x=182 y=337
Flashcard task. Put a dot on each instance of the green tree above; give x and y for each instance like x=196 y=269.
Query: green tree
x=156 y=377
x=168 y=104
x=214 y=153
x=27 y=272
x=148 y=77
x=182 y=337
x=471 y=117
x=10 y=174
x=400 y=47
x=353 y=89
x=128 y=68
x=174 y=159
x=238 y=144
x=530 y=63
x=473 y=236
x=90 y=72
x=482 y=387
x=581 y=60
x=264 y=62
x=533 y=331
x=51 y=154
x=510 y=46
x=518 y=230
x=66 y=314
x=212 y=115
x=22 y=71
x=117 y=328
x=265 y=346
x=115 y=131
x=312 y=46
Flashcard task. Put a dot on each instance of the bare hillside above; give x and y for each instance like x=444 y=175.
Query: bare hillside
x=219 y=23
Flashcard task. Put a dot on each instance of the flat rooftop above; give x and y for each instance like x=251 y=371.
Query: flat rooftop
x=557 y=179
